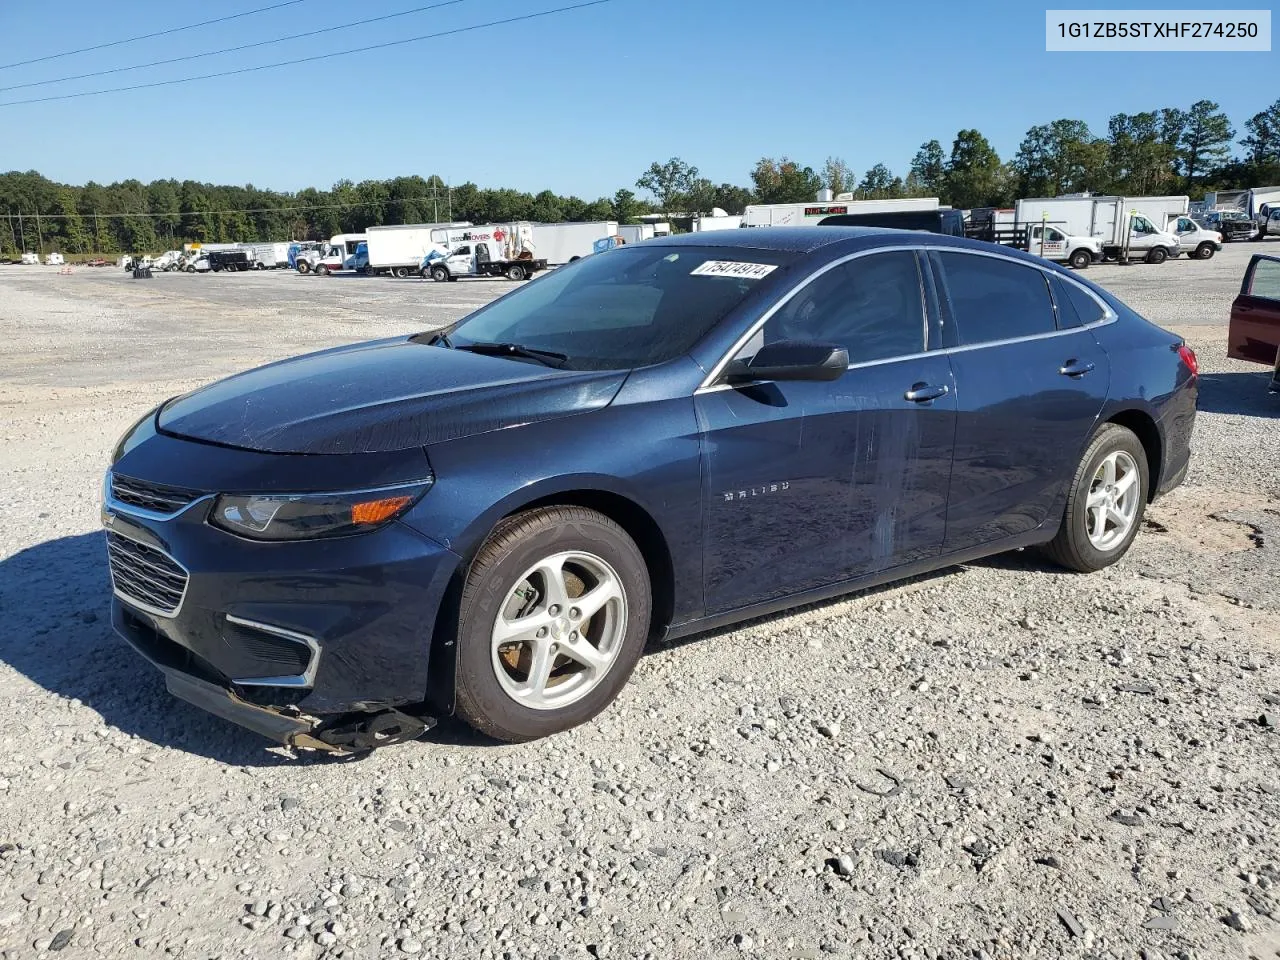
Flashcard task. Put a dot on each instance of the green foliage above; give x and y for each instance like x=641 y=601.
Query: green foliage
x=928 y=169
x=1206 y=139
x=670 y=182
x=1263 y=141
x=838 y=176
x=879 y=183
x=974 y=175
x=784 y=181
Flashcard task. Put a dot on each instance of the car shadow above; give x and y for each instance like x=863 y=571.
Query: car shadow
x=55 y=605
x=1241 y=393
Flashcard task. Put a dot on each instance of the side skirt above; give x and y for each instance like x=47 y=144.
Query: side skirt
x=689 y=627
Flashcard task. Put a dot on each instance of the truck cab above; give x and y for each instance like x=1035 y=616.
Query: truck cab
x=1053 y=244
x=1195 y=241
x=1268 y=221
x=1146 y=242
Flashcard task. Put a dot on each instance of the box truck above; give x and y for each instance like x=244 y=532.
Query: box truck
x=809 y=214
x=267 y=256
x=1123 y=232
x=559 y=243
x=398 y=250
x=492 y=250
x=635 y=232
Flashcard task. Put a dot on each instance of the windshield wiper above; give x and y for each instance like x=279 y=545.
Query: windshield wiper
x=549 y=358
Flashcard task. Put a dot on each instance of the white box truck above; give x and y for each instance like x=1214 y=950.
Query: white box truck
x=1260 y=203
x=267 y=256
x=810 y=214
x=716 y=221
x=493 y=250
x=559 y=243
x=398 y=250
x=636 y=232
x=1123 y=232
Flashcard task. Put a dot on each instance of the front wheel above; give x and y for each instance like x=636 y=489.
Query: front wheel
x=1157 y=255
x=1105 y=505
x=553 y=617
x=439 y=274
x=1080 y=259
x=1205 y=251
x=322 y=270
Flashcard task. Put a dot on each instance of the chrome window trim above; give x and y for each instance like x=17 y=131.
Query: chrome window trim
x=1109 y=316
x=133 y=601
x=302 y=680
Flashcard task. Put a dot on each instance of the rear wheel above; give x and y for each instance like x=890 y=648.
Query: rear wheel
x=1080 y=259
x=1157 y=255
x=553 y=617
x=515 y=272
x=400 y=272
x=1105 y=505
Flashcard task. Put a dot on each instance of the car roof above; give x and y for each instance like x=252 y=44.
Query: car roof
x=785 y=239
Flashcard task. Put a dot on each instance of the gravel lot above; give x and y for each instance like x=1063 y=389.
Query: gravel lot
x=999 y=761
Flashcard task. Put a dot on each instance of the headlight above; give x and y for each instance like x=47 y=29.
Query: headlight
x=306 y=516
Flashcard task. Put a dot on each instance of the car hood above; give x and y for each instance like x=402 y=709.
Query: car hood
x=380 y=397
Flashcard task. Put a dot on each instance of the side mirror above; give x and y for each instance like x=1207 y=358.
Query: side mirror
x=791 y=360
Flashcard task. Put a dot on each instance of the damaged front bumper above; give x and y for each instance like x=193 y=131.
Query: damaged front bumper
x=346 y=736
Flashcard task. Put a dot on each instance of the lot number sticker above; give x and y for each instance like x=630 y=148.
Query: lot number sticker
x=733 y=268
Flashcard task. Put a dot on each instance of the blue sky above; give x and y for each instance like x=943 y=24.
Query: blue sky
x=579 y=102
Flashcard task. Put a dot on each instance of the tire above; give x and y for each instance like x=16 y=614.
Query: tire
x=1157 y=255
x=191 y=269
x=1205 y=251
x=1075 y=546
x=322 y=270
x=304 y=267
x=1080 y=259
x=516 y=272
x=400 y=272
x=439 y=274
x=589 y=550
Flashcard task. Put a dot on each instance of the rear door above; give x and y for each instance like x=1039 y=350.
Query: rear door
x=1031 y=382
x=1255 y=315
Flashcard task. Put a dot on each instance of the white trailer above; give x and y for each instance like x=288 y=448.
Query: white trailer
x=724 y=221
x=809 y=214
x=1159 y=209
x=267 y=256
x=635 y=232
x=1256 y=198
x=398 y=250
x=559 y=243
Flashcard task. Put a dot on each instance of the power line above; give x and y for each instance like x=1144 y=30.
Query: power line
x=311 y=59
x=150 y=36
x=244 y=46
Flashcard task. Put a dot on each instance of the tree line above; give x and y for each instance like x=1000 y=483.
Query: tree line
x=1163 y=151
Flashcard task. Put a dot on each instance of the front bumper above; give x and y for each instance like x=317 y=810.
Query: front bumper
x=283 y=638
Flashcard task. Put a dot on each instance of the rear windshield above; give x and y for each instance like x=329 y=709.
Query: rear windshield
x=624 y=308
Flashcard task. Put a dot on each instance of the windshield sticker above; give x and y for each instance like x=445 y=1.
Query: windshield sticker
x=733 y=268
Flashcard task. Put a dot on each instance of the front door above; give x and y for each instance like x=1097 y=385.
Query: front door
x=459 y=261
x=1254 y=333
x=1031 y=381
x=810 y=483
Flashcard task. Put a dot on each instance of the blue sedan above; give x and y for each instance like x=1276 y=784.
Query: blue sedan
x=493 y=519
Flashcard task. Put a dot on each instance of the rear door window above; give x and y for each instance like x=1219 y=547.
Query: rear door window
x=1265 y=280
x=996 y=299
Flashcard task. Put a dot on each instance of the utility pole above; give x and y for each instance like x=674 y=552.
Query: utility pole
x=39 y=235
x=22 y=231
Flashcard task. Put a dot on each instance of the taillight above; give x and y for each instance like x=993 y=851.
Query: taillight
x=1189 y=358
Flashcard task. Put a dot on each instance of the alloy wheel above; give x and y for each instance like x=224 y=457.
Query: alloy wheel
x=1112 y=504
x=559 y=630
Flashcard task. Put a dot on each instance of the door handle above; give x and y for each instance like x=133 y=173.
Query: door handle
x=924 y=392
x=1244 y=309
x=1075 y=368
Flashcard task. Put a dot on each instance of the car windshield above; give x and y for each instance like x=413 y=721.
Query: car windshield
x=624 y=308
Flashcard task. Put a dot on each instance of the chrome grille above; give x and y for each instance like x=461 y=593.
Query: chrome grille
x=159 y=497
x=145 y=576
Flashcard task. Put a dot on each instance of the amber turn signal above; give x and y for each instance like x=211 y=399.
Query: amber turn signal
x=376 y=511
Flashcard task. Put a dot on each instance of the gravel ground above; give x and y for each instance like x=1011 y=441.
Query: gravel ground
x=998 y=761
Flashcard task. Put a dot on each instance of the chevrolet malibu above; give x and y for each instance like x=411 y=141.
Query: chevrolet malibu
x=491 y=520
